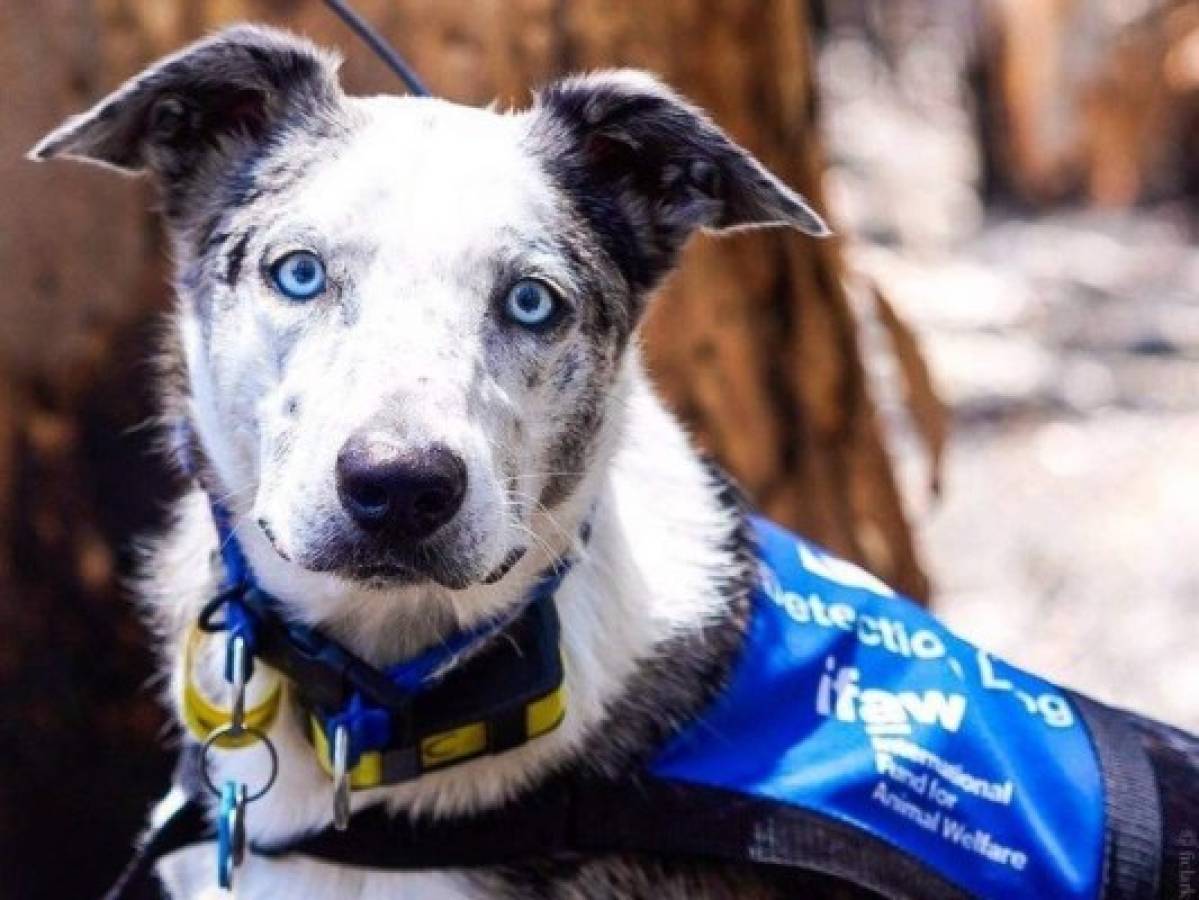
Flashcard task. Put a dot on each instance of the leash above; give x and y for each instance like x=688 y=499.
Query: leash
x=382 y=48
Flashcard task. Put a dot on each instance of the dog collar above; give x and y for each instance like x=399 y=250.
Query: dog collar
x=204 y=717
x=468 y=695
x=401 y=722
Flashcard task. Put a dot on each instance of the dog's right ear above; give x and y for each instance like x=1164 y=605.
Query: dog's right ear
x=648 y=169
x=215 y=97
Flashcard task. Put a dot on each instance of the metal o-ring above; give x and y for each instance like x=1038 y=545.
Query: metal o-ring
x=261 y=737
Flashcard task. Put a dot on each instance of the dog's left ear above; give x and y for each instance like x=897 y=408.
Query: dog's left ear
x=189 y=116
x=634 y=152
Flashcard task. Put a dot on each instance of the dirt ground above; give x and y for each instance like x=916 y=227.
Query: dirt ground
x=1066 y=345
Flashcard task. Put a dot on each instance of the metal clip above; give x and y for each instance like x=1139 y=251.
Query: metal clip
x=231 y=832
x=341 y=778
x=234 y=797
x=238 y=669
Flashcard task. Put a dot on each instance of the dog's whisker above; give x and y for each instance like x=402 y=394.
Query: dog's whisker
x=540 y=541
x=537 y=473
x=539 y=508
x=516 y=523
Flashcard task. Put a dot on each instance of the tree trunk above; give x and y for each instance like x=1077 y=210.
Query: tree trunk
x=1090 y=100
x=753 y=342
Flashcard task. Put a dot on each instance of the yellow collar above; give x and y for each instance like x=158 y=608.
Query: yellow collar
x=203 y=716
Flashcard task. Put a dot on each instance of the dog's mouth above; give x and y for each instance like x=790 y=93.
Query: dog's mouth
x=391 y=573
x=426 y=568
x=388 y=566
x=385 y=573
x=505 y=567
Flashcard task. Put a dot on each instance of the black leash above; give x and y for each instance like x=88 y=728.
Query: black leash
x=382 y=49
x=186 y=826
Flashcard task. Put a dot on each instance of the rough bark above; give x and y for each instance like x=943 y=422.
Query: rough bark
x=754 y=342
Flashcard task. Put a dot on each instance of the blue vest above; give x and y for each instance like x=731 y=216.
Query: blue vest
x=854 y=704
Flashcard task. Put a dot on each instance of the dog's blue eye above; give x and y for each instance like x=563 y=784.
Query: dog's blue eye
x=530 y=303
x=299 y=275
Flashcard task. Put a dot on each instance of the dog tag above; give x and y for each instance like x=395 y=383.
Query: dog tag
x=231 y=832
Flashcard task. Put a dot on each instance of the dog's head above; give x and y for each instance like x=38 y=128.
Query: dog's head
x=403 y=319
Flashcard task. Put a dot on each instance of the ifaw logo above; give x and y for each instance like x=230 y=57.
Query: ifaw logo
x=839 y=696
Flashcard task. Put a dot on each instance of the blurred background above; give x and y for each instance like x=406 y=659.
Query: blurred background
x=986 y=389
x=1020 y=179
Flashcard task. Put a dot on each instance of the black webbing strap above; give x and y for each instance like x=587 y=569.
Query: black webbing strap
x=1174 y=755
x=186 y=826
x=1132 y=851
x=572 y=818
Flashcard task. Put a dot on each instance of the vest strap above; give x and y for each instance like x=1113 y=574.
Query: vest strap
x=1132 y=851
x=589 y=817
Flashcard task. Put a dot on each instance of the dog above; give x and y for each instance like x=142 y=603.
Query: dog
x=405 y=353
x=434 y=226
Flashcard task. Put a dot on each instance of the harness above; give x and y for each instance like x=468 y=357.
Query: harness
x=856 y=738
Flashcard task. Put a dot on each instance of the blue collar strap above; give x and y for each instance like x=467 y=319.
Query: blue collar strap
x=466 y=696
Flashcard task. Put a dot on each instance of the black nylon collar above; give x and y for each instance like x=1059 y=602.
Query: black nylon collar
x=493 y=687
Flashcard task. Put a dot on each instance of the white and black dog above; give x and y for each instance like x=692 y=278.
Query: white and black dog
x=406 y=351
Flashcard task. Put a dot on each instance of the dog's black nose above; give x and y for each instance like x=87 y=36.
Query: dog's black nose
x=407 y=492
